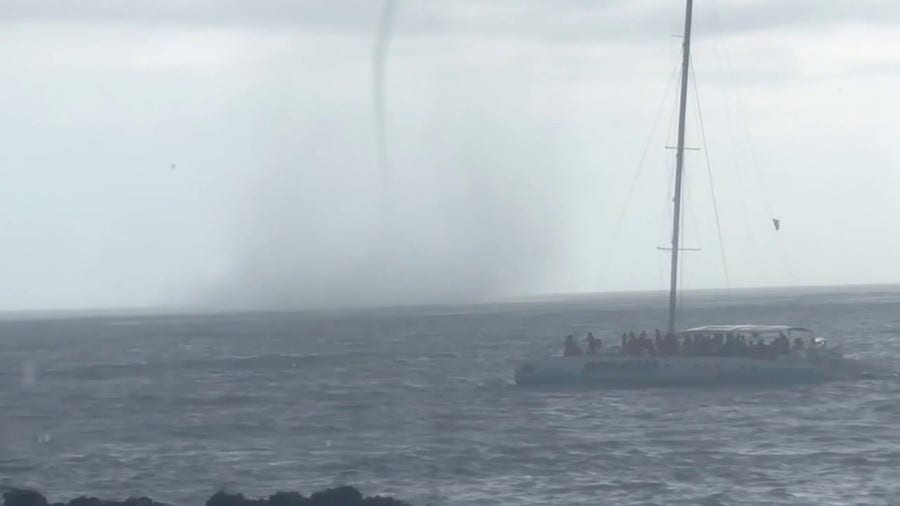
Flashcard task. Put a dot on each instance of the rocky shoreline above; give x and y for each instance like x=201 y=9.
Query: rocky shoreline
x=340 y=496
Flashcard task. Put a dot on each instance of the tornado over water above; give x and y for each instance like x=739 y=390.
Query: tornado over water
x=379 y=64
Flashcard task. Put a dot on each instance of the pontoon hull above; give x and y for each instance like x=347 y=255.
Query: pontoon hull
x=623 y=371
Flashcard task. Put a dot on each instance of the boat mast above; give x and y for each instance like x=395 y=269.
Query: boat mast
x=679 y=164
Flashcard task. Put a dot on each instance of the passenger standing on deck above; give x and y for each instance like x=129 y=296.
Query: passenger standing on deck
x=571 y=349
x=593 y=344
x=782 y=344
x=646 y=344
x=632 y=344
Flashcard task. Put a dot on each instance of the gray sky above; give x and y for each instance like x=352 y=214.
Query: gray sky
x=515 y=130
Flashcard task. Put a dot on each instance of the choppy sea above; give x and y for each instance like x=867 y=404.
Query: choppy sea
x=419 y=403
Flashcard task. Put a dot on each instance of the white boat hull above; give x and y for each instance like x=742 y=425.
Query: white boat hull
x=624 y=370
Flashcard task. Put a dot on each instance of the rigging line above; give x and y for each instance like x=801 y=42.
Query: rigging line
x=723 y=53
x=666 y=229
x=673 y=123
x=640 y=165
x=738 y=168
x=712 y=188
x=754 y=161
x=692 y=217
x=659 y=272
x=679 y=301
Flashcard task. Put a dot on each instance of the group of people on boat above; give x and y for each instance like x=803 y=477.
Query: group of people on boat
x=571 y=348
x=722 y=344
x=731 y=344
x=642 y=344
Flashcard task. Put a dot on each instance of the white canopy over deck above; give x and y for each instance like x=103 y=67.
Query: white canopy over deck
x=745 y=329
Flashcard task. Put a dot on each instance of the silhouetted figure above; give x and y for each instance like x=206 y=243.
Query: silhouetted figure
x=632 y=347
x=571 y=348
x=593 y=344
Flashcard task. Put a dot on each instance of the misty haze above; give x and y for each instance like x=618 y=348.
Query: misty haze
x=513 y=134
x=454 y=253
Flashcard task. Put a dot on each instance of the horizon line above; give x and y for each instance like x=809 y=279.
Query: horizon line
x=182 y=310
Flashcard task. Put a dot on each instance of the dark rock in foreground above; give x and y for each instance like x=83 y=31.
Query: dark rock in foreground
x=340 y=496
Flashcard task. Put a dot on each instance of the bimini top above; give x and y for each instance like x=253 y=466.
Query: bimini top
x=745 y=329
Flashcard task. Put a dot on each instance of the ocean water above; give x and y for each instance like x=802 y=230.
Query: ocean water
x=419 y=403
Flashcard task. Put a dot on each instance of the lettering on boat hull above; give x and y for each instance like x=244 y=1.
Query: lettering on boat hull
x=618 y=367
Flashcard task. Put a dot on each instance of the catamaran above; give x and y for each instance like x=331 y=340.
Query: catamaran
x=713 y=354
x=714 y=364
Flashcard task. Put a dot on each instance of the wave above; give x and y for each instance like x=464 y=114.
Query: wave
x=871 y=368
x=228 y=363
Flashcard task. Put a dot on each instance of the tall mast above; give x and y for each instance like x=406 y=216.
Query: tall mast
x=679 y=165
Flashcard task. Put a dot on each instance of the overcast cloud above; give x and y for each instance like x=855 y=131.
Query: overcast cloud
x=515 y=130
